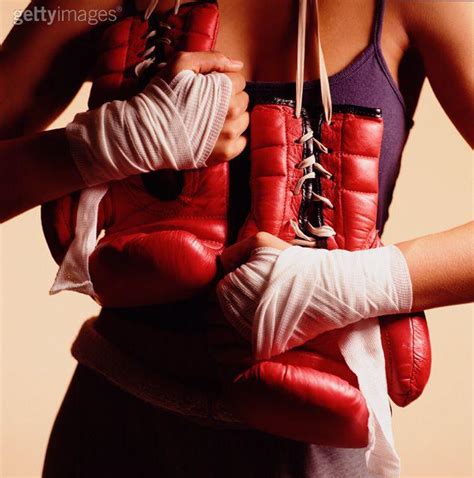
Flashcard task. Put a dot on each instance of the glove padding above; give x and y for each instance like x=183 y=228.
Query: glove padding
x=339 y=195
x=152 y=223
x=353 y=142
x=297 y=294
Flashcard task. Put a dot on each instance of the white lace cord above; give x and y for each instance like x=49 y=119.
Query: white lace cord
x=141 y=67
x=149 y=51
x=321 y=231
x=323 y=170
x=307 y=162
x=154 y=3
x=301 y=45
x=165 y=25
x=145 y=64
x=320 y=145
x=151 y=8
x=324 y=231
x=301 y=181
x=301 y=235
x=307 y=136
x=323 y=74
x=323 y=199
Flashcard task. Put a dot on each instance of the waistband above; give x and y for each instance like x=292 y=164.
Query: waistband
x=172 y=370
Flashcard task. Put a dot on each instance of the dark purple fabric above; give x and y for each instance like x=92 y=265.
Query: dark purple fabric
x=365 y=82
x=102 y=431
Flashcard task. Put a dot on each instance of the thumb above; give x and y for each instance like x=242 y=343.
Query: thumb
x=235 y=255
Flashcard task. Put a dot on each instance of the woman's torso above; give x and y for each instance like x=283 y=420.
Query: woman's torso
x=368 y=57
x=365 y=69
x=263 y=35
x=364 y=80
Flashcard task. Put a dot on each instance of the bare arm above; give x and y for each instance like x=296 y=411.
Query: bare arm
x=39 y=167
x=441 y=267
x=442 y=32
x=42 y=66
x=41 y=69
x=34 y=170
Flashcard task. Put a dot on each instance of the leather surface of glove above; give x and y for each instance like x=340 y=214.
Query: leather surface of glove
x=162 y=230
x=312 y=383
x=298 y=395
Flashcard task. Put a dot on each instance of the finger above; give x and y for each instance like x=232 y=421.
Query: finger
x=239 y=103
x=237 y=254
x=226 y=150
x=233 y=128
x=238 y=146
x=243 y=122
x=238 y=82
x=241 y=252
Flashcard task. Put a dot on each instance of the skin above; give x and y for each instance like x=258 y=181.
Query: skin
x=35 y=92
x=437 y=281
x=417 y=43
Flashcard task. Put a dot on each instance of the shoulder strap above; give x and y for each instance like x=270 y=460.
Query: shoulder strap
x=378 y=22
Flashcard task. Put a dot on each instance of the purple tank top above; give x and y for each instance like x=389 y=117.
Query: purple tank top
x=365 y=82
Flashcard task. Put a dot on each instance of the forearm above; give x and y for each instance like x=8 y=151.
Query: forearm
x=283 y=296
x=35 y=169
x=441 y=267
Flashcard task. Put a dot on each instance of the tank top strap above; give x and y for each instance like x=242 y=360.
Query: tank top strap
x=378 y=22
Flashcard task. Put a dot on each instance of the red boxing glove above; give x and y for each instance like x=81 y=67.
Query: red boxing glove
x=309 y=393
x=163 y=230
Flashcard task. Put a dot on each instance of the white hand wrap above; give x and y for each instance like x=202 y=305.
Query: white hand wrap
x=171 y=126
x=280 y=300
x=240 y=291
x=310 y=292
x=288 y=297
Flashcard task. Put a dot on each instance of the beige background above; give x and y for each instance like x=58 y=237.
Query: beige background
x=433 y=435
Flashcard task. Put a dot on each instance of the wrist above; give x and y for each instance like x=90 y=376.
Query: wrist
x=160 y=128
x=312 y=291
